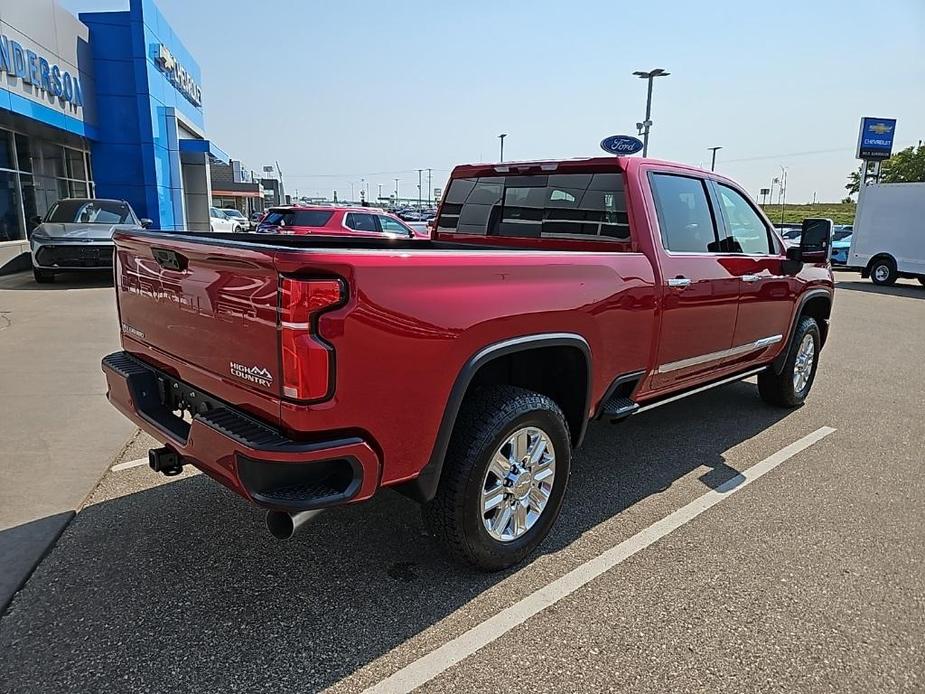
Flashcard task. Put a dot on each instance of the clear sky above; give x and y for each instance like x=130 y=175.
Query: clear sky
x=339 y=91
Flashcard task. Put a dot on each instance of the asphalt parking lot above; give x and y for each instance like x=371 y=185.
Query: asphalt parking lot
x=810 y=578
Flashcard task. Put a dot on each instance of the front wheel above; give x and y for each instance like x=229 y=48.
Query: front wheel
x=503 y=479
x=790 y=387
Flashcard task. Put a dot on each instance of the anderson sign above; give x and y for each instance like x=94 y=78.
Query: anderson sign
x=34 y=69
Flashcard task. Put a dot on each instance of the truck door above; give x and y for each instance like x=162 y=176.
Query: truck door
x=700 y=296
x=766 y=294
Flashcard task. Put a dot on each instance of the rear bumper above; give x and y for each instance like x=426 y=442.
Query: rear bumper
x=249 y=457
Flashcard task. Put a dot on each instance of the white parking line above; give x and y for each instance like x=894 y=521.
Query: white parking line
x=437 y=661
x=129 y=464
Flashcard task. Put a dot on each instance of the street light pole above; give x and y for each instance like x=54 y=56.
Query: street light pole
x=420 y=171
x=647 y=123
x=396 y=191
x=430 y=194
x=783 y=191
x=501 y=137
x=713 y=162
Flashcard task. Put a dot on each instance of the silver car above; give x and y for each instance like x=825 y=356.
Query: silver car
x=76 y=234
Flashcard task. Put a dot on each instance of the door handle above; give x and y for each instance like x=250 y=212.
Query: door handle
x=751 y=278
x=679 y=282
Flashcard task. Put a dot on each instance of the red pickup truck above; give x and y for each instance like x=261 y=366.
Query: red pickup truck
x=304 y=372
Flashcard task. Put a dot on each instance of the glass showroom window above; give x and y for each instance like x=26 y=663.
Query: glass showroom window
x=34 y=174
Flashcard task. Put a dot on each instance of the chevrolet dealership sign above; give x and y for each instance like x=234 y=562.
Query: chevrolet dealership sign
x=34 y=69
x=178 y=75
x=875 y=141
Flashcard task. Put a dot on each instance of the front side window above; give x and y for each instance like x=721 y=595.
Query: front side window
x=361 y=222
x=747 y=232
x=588 y=206
x=393 y=226
x=684 y=217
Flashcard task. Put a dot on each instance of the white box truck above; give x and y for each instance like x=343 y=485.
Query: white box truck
x=889 y=232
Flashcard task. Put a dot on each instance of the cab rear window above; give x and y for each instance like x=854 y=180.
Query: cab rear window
x=298 y=218
x=573 y=206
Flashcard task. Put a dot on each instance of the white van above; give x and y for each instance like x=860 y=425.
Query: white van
x=889 y=232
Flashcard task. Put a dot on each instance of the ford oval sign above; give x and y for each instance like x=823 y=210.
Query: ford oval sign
x=621 y=144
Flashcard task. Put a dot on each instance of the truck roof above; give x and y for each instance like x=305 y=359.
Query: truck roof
x=329 y=207
x=574 y=164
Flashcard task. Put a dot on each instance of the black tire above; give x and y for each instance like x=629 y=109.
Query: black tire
x=487 y=418
x=883 y=271
x=780 y=389
x=43 y=276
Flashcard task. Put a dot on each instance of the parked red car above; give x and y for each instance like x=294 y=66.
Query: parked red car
x=335 y=221
x=303 y=373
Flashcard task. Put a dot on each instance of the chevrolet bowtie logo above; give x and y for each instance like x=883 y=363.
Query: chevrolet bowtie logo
x=881 y=128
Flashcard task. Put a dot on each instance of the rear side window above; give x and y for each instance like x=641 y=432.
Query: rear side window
x=684 y=216
x=578 y=206
x=298 y=218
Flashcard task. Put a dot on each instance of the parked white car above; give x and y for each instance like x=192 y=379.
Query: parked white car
x=76 y=234
x=243 y=224
x=220 y=222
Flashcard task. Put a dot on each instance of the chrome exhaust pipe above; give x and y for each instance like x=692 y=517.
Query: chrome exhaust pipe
x=283 y=525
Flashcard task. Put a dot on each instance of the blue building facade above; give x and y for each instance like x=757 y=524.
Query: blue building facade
x=106 y=104
x=150 y=147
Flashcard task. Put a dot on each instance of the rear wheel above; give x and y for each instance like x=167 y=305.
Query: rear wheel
x=790 y=387
x=503 y=479
x=883 y=271
x=43 y=276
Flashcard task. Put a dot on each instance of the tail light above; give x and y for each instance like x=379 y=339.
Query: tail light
x=307 y=360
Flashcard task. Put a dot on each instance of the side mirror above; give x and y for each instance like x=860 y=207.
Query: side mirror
x=816 y=240
x=145 y=222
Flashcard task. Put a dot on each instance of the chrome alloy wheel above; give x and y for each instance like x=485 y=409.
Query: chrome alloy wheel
x=518 y=484
x=803 y=366
x=881 y=273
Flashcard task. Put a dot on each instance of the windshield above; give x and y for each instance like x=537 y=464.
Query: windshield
x=90 y=212
x=233 y=213
x=298 y=218
x=841 y=234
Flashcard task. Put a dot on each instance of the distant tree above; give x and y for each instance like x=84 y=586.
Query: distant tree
x=847 y=201
x=906 y=166
x=854 y=183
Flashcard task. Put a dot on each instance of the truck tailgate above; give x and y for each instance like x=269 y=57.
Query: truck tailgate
x=205 y=305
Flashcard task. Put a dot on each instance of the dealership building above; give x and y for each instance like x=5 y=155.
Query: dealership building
x=108 y=105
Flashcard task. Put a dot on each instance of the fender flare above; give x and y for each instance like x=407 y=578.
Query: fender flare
x=781 y=359
x=423 y=487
